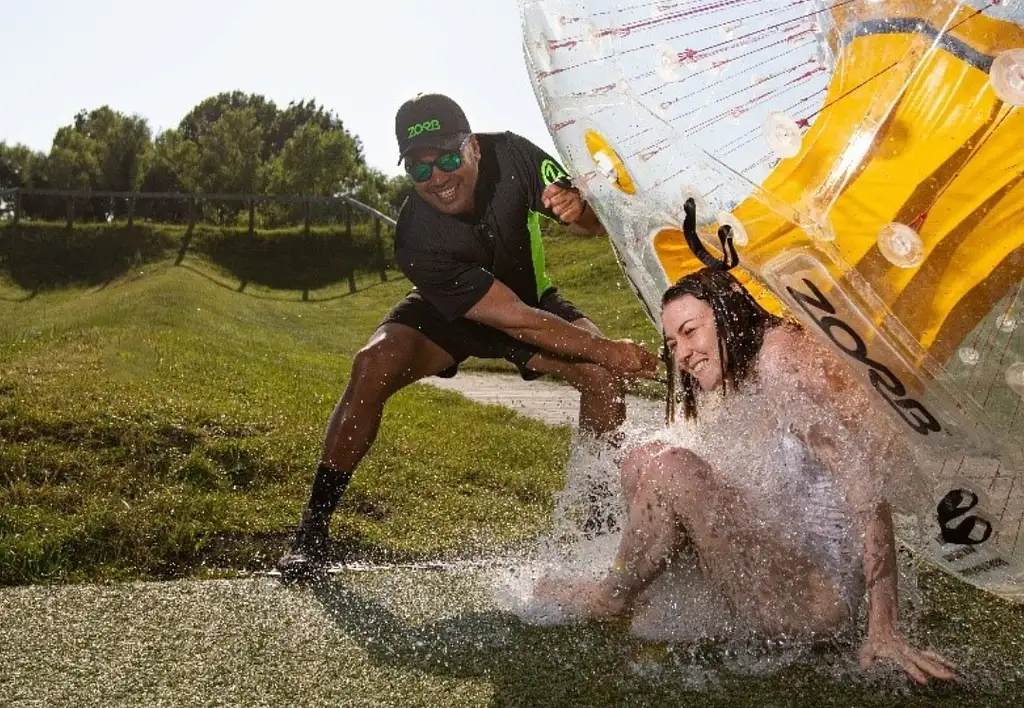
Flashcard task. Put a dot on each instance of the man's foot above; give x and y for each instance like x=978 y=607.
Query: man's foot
x=307 y=559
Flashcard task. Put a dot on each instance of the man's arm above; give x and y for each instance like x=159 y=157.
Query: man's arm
x=502 y=309
x=549 y=189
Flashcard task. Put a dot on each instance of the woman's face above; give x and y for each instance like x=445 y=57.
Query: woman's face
x=693 y=339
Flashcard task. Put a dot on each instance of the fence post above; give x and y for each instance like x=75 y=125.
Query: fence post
x=381 y=260
x=17 y=207
x=252 y=218
x=350 y=249
x=305 y=216
x=131 y=211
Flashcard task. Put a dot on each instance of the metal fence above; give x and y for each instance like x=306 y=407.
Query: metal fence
x=89 y=207
x=70 y=196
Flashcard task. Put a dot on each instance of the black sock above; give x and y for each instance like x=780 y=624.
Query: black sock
x=328 y=486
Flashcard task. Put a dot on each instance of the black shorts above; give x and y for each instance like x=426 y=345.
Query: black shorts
x=464 y=338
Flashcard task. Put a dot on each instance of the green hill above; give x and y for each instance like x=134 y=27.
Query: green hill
x=164 y=424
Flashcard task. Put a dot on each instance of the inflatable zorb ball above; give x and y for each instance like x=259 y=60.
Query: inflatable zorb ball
x=868 y=157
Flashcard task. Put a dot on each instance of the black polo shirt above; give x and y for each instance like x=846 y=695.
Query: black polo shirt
x=453 y=260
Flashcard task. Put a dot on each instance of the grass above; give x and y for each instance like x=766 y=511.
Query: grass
x=162 y=424
x=165 y=424
x=406 y=638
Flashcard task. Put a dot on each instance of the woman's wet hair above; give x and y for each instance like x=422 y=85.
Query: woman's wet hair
x=740 y=323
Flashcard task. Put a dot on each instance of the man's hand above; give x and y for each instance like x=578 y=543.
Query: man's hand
x=627 y=358
x=566 y=203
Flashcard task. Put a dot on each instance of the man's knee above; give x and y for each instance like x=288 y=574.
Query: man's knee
x=380 y=368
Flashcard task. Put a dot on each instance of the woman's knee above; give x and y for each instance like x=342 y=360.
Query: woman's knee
x=634 y=464
x=676 y=476
x=680 y=464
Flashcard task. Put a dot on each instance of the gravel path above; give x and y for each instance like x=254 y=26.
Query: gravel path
x=545 y=400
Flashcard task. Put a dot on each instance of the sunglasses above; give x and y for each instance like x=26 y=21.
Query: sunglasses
x=446 y=162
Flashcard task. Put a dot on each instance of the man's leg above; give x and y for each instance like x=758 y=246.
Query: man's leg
x=602 y=410
x=395 y=356
x=602 y=394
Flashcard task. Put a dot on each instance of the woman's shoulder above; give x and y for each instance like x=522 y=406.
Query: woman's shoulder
x=792 y=356
x=787 y=345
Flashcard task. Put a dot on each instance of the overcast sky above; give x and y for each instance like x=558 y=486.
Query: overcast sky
x=359 y=59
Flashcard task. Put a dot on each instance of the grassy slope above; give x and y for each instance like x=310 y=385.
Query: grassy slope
x=165 y=420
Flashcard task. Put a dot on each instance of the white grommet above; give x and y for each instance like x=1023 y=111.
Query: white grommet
x=783 y=135
x=1006 y=323
x=668 y=67
x=901 y=245
x=969 y=356
x=1015 y=377
x=688 y=191
x=1007 y=77
x=739 y=232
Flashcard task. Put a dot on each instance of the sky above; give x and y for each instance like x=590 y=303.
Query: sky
x=360 y=59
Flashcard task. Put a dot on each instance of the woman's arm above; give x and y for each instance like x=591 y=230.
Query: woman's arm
x=883 y=642
x=852 y=439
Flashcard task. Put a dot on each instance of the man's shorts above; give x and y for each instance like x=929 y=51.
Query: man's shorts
x=464 y=338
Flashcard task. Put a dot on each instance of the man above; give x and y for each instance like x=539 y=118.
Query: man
x=469 y=239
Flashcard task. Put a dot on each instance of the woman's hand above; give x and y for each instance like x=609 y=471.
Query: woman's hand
x=921 y=665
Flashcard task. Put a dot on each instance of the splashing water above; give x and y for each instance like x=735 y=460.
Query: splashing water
x=754 y=443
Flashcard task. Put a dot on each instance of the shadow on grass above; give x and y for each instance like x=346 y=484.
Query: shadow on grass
x=46 y=257
x=289 y=260
x=24 y=298
x=241 y=289
x=601 y=665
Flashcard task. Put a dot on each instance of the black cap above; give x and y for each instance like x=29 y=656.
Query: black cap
x=429 y=120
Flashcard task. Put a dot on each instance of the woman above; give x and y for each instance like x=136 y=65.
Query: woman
x=783 y=507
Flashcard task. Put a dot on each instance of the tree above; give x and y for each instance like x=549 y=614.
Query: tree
x=198 y=123
x=9 y=177
x=74 y=160
x=314 y=162
x=174 y=167
x=306 y=113
x=21 y=166
x=123 y=147
x=383 y=193
x=230 y=161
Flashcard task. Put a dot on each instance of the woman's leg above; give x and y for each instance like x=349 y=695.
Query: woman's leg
x=676 y=500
